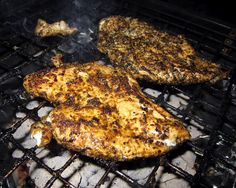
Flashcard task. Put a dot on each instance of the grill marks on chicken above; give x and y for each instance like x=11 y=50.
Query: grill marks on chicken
x=103 y=113
x=44 y=29
x=153 y=55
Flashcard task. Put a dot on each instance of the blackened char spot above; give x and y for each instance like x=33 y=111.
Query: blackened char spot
x=163 y=136
x=149 y=141
x=95 y=120
x=116 y=125
x=72 y=82
x=127 y=84
x=70 y=99
x=102 y=79
x=94 y=101
x=56 y=117
x=145 y=69
x=44 y=94
x=66 y=123
x=158 y=128
x=85 y=122
x=71 y=139
x=59 y=95
x=107 y=110
x=142 y=101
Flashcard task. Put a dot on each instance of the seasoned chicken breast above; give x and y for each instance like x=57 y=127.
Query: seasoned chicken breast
x=44 y=29
x=106 y=132
x=85 y=85
x=102 y=112
x=150 y=54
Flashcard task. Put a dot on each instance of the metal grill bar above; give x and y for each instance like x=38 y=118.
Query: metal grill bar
x=151 y=179
x=102 y=180
x=204 y=39
x=179 y=18
x=120 y=174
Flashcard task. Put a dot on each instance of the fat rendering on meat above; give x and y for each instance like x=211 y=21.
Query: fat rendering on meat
x=154 y=55
x=101 y=112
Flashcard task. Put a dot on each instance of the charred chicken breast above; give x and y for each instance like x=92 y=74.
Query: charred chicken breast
x=150 y=54
x=102 y=112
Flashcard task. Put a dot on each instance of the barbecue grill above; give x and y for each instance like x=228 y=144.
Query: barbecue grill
x=209 y=111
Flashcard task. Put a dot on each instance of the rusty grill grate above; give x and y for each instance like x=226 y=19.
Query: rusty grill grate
x=208 y=111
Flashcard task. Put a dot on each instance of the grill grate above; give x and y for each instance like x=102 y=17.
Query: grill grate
x=207 y=109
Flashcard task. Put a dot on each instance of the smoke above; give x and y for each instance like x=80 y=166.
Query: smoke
x=85 y=16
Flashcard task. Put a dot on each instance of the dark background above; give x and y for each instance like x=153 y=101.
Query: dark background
x=219 y=10
x=222 y=11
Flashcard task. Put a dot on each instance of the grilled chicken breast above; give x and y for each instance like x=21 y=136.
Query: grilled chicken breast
x=102 y=112
x=44 y=29
x=150 y=54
